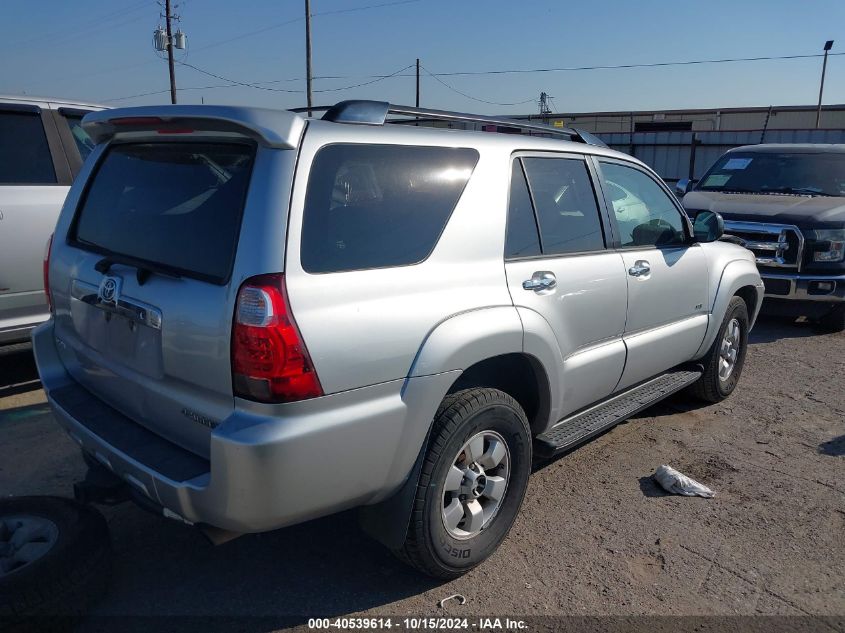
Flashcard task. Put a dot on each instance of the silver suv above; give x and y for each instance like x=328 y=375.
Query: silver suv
x=42 y=147
x=261 y=318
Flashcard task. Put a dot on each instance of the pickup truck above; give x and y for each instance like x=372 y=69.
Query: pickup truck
x=786 y=203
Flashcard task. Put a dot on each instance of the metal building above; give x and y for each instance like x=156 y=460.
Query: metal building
x=684 y=143
x=721 y=119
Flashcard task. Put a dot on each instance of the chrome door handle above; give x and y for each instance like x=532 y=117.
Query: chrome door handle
x=640 y=268
x=541 y=280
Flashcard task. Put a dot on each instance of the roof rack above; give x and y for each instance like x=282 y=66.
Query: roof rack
x=362 y=112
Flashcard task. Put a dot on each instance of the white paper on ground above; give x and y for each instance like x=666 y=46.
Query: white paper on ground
x=677 y=483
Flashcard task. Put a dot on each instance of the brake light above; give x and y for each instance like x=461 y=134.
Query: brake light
x=269 y=359
x=160 y=125
x=46 y=271
x=137 y=120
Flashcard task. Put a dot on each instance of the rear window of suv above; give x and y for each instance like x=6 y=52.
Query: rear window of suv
x=176 y=207
x=373 y=206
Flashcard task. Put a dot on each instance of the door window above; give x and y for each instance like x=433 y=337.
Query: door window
x=566 y=205
x=24 y=154
x=522 y=237
x=644 y=212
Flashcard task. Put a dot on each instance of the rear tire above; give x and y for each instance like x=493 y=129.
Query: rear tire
x=480 y=449
x=833 y=321
x=55 y=559
x=724 y=360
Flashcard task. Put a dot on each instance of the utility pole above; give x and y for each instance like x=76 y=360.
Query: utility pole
x=170 y=62
x=827 y=46
x=545 y=110
x=418 y=82
x=308 y=52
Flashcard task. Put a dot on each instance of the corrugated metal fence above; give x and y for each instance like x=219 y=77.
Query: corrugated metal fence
x=672 y=155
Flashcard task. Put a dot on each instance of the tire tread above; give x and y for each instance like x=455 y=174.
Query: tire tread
x=452 y=411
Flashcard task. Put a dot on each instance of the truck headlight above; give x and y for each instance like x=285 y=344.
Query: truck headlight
x=830 y=245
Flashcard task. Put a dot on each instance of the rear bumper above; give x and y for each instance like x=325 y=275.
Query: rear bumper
x=268 y=466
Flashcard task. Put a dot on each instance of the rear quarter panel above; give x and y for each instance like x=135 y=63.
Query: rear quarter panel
x=365 y=327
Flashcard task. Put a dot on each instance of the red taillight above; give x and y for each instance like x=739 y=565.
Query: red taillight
x=46 y=269
x=269 y=359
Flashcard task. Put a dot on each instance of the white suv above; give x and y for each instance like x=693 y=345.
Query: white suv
x=42 y=147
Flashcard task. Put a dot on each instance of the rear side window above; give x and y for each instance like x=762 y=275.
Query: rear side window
x=24 y=155
x=566 y=205
x=522 y=238
x=373 y=206
x=174 y=206
x=83 y=142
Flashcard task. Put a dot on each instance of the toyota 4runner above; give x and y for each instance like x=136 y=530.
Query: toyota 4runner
x=260 y=318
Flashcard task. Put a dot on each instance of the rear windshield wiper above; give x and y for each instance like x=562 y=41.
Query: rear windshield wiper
x=142 y=273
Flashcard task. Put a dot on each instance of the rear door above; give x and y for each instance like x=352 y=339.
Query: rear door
x=666 y=272
x=34 y=180
x=143 y=279
x=565 y=273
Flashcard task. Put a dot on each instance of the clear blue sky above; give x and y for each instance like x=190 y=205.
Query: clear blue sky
x=100 y=50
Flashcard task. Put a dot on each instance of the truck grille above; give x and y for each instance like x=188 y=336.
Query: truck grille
x=774 y=245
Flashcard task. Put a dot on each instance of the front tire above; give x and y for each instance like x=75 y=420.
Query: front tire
x=472 y=483
x=725 y=359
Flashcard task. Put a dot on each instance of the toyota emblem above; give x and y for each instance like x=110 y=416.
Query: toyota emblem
x=109 y=289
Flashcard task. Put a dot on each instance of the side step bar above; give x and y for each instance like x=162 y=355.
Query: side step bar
x=585 y=425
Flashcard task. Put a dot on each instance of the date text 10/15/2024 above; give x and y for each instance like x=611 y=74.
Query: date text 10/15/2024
x=418 y=624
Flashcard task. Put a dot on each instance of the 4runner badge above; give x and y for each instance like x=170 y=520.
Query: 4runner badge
x=109 y=291
x=200 y=419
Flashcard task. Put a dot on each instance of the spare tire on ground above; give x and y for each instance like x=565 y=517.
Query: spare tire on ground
x=55 y=560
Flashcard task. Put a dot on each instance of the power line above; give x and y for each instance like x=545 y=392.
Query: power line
x=367 y=83
x=235 y=82
x=453 y=89
x=267 y=88
x=437 y=76
x=621 y=66
x=89 y=26
x=271 y=27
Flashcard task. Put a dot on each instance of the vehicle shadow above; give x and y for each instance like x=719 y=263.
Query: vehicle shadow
x=834 y=447
x=258 y=582
x=771 y=328
x=650 y=488
x=680 y=402
x=18 y=373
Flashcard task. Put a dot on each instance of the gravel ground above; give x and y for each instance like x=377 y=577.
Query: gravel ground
x=595 y=536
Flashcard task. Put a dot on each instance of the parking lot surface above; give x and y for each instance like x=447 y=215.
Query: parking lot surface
x=595 y=535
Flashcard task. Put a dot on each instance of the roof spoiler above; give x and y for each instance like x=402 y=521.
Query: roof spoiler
x=273 y=128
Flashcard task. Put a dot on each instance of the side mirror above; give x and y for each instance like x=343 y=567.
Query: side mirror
x=684 y=186
x=708 y=226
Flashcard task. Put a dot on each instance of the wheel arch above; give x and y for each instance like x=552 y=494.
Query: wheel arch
x=519 y=375
x=472 y=349
x=739 y=278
